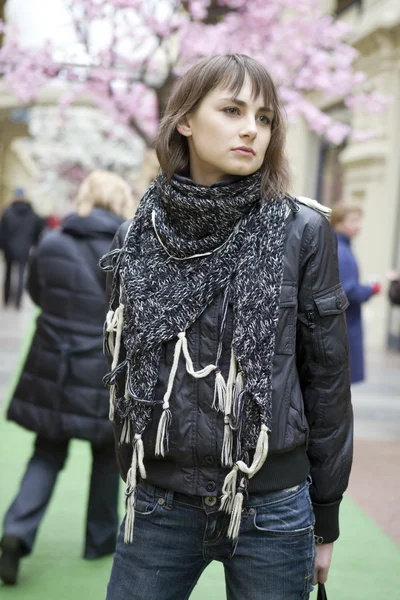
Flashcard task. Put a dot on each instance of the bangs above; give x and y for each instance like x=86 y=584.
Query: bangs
x=230 y=71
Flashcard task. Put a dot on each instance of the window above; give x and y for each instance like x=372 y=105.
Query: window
x=342 y=5
x=330 y=174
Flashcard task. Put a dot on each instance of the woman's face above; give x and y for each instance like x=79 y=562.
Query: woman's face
x=227 y=136
x=351 y=225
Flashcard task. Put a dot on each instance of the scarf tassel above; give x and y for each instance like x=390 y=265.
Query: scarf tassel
x=130 y=490
x=236 y=516
x=237 y=396
x=232 y=502
x=113 y=396
x=228 y=490
x=126 y=432
x=112 y=346
x=227 y=445
x=219 y=401
x=113 y=326
x=166 y=416
x=163 y=432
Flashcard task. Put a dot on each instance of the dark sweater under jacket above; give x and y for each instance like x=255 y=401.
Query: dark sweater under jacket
x=312 y=413
x=60 y=394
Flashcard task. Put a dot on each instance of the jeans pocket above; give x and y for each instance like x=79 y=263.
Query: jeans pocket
x=291 y=516
x=145 y=503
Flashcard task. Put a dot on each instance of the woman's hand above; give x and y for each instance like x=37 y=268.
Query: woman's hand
x=322 y=562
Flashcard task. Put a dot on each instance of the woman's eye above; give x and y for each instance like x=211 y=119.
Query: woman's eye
x=231 y=110
x=264 y=120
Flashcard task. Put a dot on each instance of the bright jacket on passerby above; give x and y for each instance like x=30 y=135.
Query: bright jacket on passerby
x=356 y=294
x=60 y=394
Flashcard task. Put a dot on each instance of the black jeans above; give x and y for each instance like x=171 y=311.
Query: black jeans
x=8 y=280
x=26 y=512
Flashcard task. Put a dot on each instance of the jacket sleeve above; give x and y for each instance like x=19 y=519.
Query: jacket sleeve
x=123 y=451
x=3 y=228
x=354 y=290
x=33 y=281
x=323 y=366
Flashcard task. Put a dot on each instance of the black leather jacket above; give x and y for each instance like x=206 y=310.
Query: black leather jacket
x=312 y=414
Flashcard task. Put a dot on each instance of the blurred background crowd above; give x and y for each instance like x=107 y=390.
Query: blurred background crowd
x=82 y=86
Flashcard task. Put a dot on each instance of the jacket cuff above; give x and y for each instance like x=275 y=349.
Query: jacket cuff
x=326 y=522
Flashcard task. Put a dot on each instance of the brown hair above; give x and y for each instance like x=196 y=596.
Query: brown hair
x=341 y=210
x=106 y=190
x=230 y=71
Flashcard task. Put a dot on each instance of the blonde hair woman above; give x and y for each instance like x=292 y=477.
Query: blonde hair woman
x=105 y=190
x=60 y=394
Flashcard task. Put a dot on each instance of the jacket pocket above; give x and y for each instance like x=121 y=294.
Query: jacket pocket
x=326 y=324
x=285 y=339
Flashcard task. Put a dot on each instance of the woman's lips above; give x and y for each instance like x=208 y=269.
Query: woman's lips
x=244 y=151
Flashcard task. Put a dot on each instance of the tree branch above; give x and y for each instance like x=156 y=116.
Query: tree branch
x=3 y=18
x=215 y=12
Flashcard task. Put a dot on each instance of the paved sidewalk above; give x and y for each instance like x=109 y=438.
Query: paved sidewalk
x=14 y=326
x=375 y=480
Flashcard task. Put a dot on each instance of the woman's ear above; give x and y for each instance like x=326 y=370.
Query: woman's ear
x=184 y=128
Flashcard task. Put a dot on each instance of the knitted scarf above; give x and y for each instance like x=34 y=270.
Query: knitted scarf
x=186 y=245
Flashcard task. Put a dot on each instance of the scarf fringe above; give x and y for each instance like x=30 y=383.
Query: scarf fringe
x=189 y=363
x=227 y=445
x=219 y=400
x=232 y=502
x=228 y=490
x=130 y=490
x=164 y=423
x=113 y=326
x=126 y=432
x=236 y=517
x=113 y=397
x=239 y=389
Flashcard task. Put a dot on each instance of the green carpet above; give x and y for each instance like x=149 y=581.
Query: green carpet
x=366 y=563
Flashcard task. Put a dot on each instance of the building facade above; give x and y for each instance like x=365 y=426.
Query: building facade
x=366 y=172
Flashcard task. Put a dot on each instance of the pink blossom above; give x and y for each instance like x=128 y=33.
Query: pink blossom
x=304 y=49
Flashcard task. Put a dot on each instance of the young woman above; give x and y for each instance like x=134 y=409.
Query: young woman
x=60 y=395
x=229 y=378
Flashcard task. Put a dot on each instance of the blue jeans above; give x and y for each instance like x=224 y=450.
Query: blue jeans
x=177 y=536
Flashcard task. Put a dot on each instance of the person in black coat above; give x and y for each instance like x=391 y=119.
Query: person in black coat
x=20 y=228
x=60 y=394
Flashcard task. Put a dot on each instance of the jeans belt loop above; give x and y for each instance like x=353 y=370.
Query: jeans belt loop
x=169 y=499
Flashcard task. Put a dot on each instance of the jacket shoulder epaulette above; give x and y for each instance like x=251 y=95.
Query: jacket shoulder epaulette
x=323 y=210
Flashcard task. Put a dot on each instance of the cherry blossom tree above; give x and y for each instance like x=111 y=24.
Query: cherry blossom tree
x=128 y=53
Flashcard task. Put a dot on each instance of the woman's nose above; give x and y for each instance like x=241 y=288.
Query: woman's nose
x=249 y=129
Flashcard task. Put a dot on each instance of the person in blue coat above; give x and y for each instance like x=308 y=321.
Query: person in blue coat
x=346 y=219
